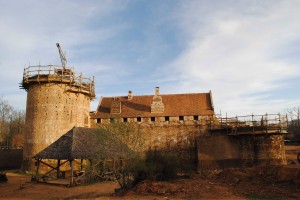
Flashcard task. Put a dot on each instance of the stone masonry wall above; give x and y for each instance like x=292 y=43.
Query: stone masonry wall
x=193 y=143
x=50 y=112
x=177 y=138
x=218 y=150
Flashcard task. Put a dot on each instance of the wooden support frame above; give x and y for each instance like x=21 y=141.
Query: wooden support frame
x=75 y=179
x=39 y=161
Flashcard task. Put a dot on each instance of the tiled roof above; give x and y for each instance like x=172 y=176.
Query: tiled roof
x=174 y=105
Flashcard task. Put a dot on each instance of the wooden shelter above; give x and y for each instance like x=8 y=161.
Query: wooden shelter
x=80 y=144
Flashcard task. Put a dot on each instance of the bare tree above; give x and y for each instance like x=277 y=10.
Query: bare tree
x=5 y=115
x=12 y=124
x=294 y=115
x=294 y=122
x=17 y=129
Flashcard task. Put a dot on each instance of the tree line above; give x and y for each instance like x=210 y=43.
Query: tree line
x=294 y=123
x=12 y=125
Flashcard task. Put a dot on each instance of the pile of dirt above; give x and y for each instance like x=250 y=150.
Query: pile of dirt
x=183 y=188
x=235 y=175
x=162 y=188
x=262 y=181
x=243 y=183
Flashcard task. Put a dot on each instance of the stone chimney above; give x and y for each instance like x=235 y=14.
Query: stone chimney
x=130 y=95
x=156 y=91
x=115 y=107
x=157 y=105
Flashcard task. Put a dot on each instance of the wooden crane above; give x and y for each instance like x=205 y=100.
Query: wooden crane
x=62 y=56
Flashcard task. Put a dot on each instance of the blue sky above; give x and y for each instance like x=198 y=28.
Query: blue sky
x=246 y=52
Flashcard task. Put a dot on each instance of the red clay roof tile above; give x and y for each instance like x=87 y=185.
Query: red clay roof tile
x=175 y=105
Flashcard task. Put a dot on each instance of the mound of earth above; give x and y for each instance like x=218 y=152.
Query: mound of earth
x=247 y=183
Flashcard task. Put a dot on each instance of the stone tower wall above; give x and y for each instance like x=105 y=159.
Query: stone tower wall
x=52 y=109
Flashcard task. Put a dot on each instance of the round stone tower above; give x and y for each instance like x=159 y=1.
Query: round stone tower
x=57 y=100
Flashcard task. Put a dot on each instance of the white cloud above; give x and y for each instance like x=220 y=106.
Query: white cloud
x=231 y=50
x=30 y=29
x=235 y=48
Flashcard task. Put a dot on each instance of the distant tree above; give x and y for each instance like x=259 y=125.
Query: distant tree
x=12 y=123
x=294 y=115
x=17 y=129
x=5 y=115
x=294 y=122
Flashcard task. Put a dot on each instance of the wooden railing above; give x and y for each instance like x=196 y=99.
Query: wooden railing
x=55 y=73
x=253 y=123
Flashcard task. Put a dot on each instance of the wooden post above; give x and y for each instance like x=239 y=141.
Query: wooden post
x=279 y=122
x=72 y=172
x=221 y=121
x=287 y=121
x=236 y=125
x=58 y=172
x=266 y=122
x=252 y=123
x=37 y=169
x=226 y=123
x=81 y=167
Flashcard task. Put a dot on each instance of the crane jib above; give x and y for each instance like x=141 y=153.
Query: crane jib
x=62 y=56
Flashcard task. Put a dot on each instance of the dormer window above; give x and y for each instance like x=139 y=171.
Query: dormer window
x=115 y=107
x=157 y=105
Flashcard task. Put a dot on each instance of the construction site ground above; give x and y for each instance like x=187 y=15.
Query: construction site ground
x=271 y=182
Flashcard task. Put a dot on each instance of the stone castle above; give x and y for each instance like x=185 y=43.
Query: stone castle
x=57 y=100
x=185 y=124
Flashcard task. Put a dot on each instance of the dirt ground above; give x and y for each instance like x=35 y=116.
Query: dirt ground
x=251 y=183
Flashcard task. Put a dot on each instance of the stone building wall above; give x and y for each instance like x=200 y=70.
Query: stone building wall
x=174 y=137
x=51 y=111
x=196 y=146
x=218 y=150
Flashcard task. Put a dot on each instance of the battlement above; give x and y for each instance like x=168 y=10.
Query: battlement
x=58 y=74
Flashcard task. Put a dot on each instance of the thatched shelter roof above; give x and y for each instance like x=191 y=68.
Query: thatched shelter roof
x=86 y=143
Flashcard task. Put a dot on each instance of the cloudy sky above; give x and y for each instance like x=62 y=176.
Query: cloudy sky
x=246 y=52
